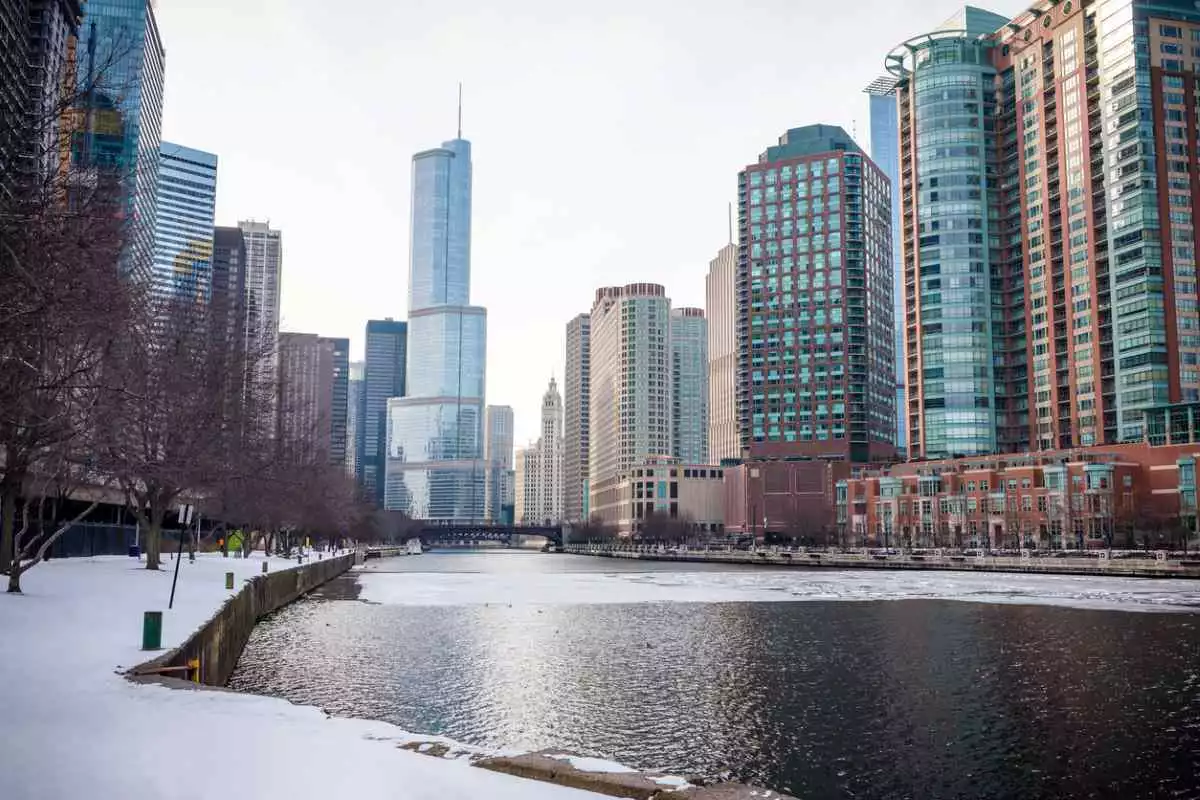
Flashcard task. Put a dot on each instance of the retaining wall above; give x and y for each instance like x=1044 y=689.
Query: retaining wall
x=218 y=644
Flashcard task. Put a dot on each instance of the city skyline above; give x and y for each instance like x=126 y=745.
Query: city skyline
x=606 y=235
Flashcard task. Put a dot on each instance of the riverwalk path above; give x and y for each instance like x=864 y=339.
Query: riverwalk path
x=72 y=724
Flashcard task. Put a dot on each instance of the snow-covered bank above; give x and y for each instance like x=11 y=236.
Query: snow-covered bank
x=1125 y=594
x=71 y=725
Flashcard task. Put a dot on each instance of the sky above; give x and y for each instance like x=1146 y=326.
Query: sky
x=606 y=140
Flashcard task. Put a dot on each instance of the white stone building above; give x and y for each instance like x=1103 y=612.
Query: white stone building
x=539 y=467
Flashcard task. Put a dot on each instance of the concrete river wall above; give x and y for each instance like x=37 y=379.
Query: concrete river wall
x=218 y=644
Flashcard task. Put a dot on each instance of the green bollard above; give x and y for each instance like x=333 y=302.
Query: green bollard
x=264 y=568
x=228 y=580
x=152 y=630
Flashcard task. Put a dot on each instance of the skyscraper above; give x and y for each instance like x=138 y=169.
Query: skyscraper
x=630 y=406
x=306 y=395
x=576 y=390
x=119 y=62
x=540 y=496
x=354 y=414
x=183 y=226
x=36 y=37
x=885 y=143
x=498 y=452
x=339 y=420
x=1049 y=266
x=228 y=290
x=689 y=385
x=720 y=306
x=435 y=465
x=816 y=368
x=383 y=378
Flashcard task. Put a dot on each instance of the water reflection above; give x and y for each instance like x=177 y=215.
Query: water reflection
x=920 y=699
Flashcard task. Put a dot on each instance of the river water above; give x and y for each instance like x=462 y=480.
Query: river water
x=822 y=685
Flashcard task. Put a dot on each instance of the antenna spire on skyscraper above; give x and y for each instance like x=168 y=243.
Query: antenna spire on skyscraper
x=460 y=109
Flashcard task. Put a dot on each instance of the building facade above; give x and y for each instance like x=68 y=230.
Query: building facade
x=576 y=403
x=116 y=126
x=689 y=385
x=498 y=452
x=354 y=416
x=720 y=307
x=540 y=501
x=630 y=387
x=227 y=292
x=786 y=499
x=885 y=152
x=306 y=395
x=339 y=420
x=663 y=498
x=384 y=377
x=814 y=316
x=435 y=446
x=1051 y=299
x=35 y=39
x=1123 y=496
x=183 y=225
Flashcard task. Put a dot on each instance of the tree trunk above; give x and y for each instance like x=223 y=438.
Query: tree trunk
x=8 y=513
x=154 y=537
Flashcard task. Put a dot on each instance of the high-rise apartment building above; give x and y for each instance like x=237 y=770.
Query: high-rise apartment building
x=227 y=292
x=720 y=306
x=689 y=385
x=435 y=464
x=306 y=395
x=354 y=415
x=540 y=467
x=1049 y=229
x=815 y=331
x=885 y=152
x=35 y=39
x=630 y=407
x=498 y=452
x=339 y=420
x=118 y=64
x=576 y=400
x=383 y=378
x=183 y=226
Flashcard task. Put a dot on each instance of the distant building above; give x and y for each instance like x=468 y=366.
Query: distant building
x=183 y=234
x=435 y=446
x=306 y=377
x=576 y=400
x=689 y=385
x=227 y=292
x=539 y=467
x=630 y=387
x=340 y=418
x=498 y=454
x=815 y=328
x=354 y=415
x=720 y=287
x=679 y=499
x=793 y=498
x=384 y=377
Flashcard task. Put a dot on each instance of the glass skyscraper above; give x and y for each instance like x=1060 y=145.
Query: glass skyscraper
x=383 y=379
x=435 y=444
x=183 y=224
x=119 y=65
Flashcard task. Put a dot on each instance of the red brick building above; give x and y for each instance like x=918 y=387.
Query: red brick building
x=1114 y=496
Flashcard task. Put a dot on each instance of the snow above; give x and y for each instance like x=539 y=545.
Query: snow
x=590 y=764
x=772 y=585
x=73 y=726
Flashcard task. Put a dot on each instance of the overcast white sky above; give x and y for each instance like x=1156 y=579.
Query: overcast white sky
x=606 y=137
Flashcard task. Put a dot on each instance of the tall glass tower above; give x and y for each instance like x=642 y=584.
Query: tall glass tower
x=119 y=64
x=435 y=445
x=183 y=224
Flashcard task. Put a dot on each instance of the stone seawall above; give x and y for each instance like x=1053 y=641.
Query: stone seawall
x=218 y=644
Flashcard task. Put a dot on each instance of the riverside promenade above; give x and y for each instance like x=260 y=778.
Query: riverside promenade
x=1117 y=565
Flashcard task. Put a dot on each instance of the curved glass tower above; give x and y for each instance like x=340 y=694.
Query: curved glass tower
x=435 y=463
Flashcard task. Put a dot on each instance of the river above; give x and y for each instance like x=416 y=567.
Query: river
x=822 y=685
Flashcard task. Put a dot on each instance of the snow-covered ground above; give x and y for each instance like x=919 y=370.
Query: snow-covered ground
x=763 y=585
x=72 y=726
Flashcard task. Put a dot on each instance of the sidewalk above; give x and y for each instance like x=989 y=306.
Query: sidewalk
x=71 y=725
